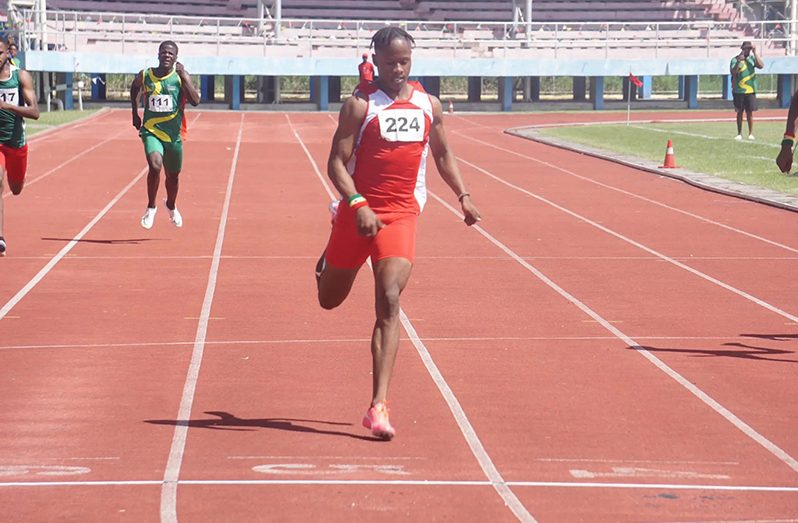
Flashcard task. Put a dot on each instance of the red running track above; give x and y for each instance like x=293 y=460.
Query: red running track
x=608 y=345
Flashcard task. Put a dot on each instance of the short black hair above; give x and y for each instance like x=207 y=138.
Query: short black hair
x=168 y=43
x=383 y=38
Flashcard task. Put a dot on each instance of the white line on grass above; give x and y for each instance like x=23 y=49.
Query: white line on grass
x=684 y=382
x=172 y=472
x=706 y=137
x=633 y=195
x=639 y=245
x=470 y=435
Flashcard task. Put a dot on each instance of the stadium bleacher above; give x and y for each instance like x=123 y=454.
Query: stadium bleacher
x=425 y=10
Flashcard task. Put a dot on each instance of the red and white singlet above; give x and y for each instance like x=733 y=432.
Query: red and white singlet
x=390 y=159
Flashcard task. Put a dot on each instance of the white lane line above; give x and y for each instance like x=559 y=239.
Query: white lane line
x=172 y=472
x=67 y=162
x=673 y=261
x=665 y=119
x=431 y=258
x=633 y=195
x=482 y=457
x=684 y=382
x=346 y=341
x=68 y=247
x=470 y=435
x=412 y=483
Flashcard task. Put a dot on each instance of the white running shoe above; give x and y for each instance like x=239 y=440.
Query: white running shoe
x=738 y=137
x=751 y=137
x=149 y=217
x=2 y=247
x=175 y=217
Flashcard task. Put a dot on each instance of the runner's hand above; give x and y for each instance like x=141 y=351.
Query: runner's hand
x=368 y=224
x=179 y=68
x=136 y=120
x=784 y=159
x=470 y=213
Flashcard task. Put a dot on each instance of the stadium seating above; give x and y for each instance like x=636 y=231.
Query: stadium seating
x=426 y=10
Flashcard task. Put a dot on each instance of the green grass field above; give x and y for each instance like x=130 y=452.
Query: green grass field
x=52 y=119
x=704 y=147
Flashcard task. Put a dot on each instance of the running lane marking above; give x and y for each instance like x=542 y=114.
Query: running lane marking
x=399 y=482
x=681 y=380
x=640 y=246
x=68 y=247
x=64 y=164
x=470 y=435
x=627 y=193
x=173 y=464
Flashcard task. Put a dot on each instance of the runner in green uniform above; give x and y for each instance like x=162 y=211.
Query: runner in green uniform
x=164 y=89
x=744 y=86
x=17 y=101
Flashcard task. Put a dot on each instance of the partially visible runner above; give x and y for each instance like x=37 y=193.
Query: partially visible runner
x=785 y=156
x=12 y=53
x=365 y=70
x=17 y=101
x=165 y=89
x=378 y=164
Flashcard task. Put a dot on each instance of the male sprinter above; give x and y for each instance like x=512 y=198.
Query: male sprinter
x=165 y=89
x=377 y=162
x=17 y=101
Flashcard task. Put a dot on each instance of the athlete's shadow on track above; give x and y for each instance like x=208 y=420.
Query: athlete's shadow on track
x=132 y=241
x=227 y=421
x=744 y=351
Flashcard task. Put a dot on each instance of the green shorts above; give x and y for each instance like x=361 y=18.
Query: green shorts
x=171 y=152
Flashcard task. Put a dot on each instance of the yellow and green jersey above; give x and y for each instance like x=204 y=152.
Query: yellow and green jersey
x=744 y=78
x=164 y=105
x=12 y=126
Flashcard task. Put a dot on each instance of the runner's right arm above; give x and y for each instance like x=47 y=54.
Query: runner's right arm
x=350 y=118
x=135 y=91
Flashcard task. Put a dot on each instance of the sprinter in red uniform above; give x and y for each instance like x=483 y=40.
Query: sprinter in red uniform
x=377 y=162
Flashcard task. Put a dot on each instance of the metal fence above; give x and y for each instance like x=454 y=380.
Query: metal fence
x=118 y=32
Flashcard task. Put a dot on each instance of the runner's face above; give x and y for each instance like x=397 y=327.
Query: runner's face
x=394 y=64
x=167 y=55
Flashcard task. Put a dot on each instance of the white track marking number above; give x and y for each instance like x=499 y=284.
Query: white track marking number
x=402 y=125
x=308 y=469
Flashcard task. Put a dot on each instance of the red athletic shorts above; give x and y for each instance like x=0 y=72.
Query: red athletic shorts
x=15 y=162
x=348 y=249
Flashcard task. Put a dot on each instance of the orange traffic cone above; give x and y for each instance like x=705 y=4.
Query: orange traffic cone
x=670 y=159
x=451 y=107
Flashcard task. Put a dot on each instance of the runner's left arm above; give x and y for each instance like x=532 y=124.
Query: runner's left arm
x=31 y=107
x=447 y=164
x=758 y=63
x=188 y=87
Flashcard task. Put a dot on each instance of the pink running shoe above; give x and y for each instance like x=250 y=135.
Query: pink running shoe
x=376 y=419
